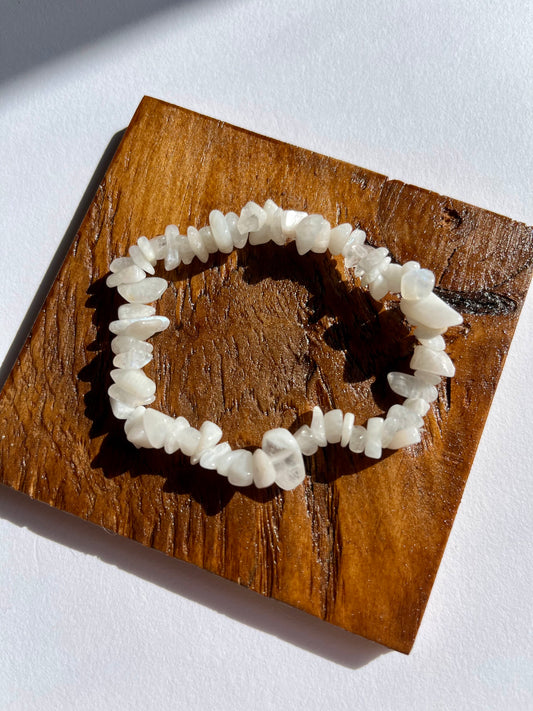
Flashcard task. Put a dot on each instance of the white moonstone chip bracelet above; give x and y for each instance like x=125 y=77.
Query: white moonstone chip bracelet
x=279 y=460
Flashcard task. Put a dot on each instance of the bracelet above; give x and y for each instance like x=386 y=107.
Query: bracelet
x=279 y=460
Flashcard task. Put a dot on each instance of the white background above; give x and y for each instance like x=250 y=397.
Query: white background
x=439 y=94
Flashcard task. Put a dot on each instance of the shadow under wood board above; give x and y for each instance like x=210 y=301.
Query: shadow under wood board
x=257 y=338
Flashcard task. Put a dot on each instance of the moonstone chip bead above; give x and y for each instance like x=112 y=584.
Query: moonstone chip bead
x=239 y=240
x=417 y=405
x=338 y=237
x=405 y=437
x=209 y=458
x=135 y=432
x=431 y=311
x=428 y=378
x=312 y=230
x=347 y=428
x=140 y=260
x=185 y=250
x=273 y=222
x=134 y=381
x=173 y=438
x=144 y=291
x=132 y=360
x=127 y=398
x=129 y=275
x=374 y=429
x=431 y=361
x=263 y=469
x=252 y=218
x=139 y=328
x=159 y=245
x=210 y=434
x=355 y=248
x=333 y=421
x=126 y=311
x=290 y=219
x=306 y=440
x=120 y=263
x=122 y=344
x=156 y=426
x=417 y=284
x=318 y=427
x=189 y=439
x=147 y=249
x=172 y=255
x=393 y=274
x=240 y=469
x=411 y=387
x=119 y=409
x=206 y=235
x=221 y=232
x=379 y=287
x=197 y=245
x=283 y=450
x=357 y=440
x=437 y=343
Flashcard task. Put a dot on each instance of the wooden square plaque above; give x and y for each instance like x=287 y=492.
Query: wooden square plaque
x=257 y=338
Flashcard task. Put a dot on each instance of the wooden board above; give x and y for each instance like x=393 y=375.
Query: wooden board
x=257 y=338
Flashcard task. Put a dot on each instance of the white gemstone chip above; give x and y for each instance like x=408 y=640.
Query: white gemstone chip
x=379 y=287
x=144 y=291
x=156 y=426
x=252 y=218
x=306 y=440
x=120 y=263
x=404 y=438
x=132 y=359
x=210 y=457
x=206 y=235
x=321 y=242
x=210 y=434
x=410 y=387
x=239 y=240
x=374 y=430
x=173 y=438
x=134 y=381
x=134 y=429
x=312 y=233
x=393 y=274
x=338 y=237
x=437 y=343
x=347 y=428
x=128 y=399
x=121 y=344
x=318 y=428
x=119 y=409
x=184 y=249
x=240 y=469
x=357 y=439
x=263 y=469
x=159 y=245
x=221 y=232
x=283 y=450
x=428 y=378
x=147 y=249
x=273 y=222
x=129 y=275
x=172 y=255
x=189 y=439
x=140 y=328
x=197 y=245
x=333 y=421
x=431 y=361
x=417 y=405
x=417 y=284
x=139 y=259
x=289 y=220
x=126 y=311
x=431 y=311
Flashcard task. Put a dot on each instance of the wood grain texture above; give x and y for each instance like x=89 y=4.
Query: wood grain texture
x=257 y=338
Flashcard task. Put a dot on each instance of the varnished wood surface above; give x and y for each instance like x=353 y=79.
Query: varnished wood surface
x=256 y=339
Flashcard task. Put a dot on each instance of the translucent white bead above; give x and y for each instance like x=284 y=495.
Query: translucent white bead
x=120 y=263
x=136 y=416
x=347 y=428
x=196 y=244
x=404 y=417
x=374 y=261
x=379 y=287
x=210 y=434
x=134 y=381
x=139 y=328
x=393 y=273
x=283 y=450
x=173 y=437
x=128 y=399
x=224 y=461
x=410 y=266
x=132 y=360
x=252 y=218
x=338 y=237
x=206 y=235
x=321 y=241
x=431 y=311
x=306 y=440
x=189 y=439
x=428 y=378
x=289 y=221
x=374 y=429
x=144 y=291
x=221 y=232
x=437 y=343
x=263 y=470
x=120 y=410
x=135 y=432
x=126 y=311
x=156 y=426
x=121 y=344
x=159 y=245
x=355 y=249
x=239 y=240
x=410 y=387
x=273 y=222
x=333 y=426
x=416 y=405
x=172 y=255
x=184 y=249
x=308 y=231
x=146 y=248
x=129 y=275
x=240 y=471
x=139 y=259
x=417 y=284
x=431 y=361
x=210 y=457
x=425 y=333
x=357 y=439
x=318 y=428
x=405 y=437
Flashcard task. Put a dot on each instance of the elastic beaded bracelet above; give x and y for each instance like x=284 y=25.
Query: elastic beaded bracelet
x=279 y=460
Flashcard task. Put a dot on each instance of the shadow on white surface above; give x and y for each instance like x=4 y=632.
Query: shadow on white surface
x=223 y=596
x=34 y=32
